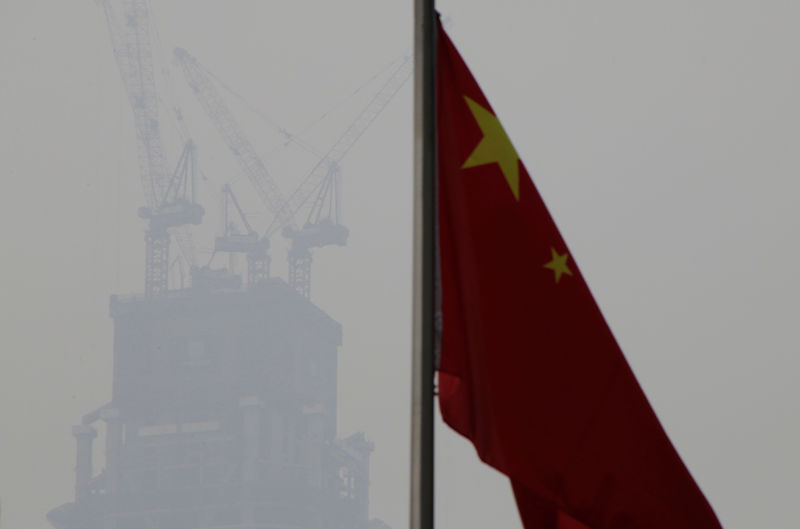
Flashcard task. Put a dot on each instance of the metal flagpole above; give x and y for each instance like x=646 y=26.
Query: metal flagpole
x=424 y=267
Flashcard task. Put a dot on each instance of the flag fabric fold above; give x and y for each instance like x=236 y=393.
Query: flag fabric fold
x=529 y=370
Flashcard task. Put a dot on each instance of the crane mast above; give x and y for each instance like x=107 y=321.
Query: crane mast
x=169 y=196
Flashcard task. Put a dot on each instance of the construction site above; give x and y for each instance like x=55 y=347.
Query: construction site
x=223 y=412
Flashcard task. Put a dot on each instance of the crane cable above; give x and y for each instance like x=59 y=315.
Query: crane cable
x=261 y=114
x=298 y=138
x=346 y=99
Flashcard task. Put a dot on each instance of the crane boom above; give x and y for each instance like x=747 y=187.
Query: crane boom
x=329 y=163
x=131 y=42
x=251 y=164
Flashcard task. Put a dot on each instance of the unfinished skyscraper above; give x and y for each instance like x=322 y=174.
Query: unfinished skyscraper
x=223 y=415
x=223 y=411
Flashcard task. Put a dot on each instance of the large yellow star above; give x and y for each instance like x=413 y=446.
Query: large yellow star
x=494 y=147
x=558 y=264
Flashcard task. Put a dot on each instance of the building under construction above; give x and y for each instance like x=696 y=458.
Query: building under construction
x=223 y=411
x=223 y=415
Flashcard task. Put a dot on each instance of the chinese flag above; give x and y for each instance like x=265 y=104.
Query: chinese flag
x=529 y=370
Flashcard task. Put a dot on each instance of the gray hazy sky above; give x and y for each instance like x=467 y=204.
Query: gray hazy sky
x=662 y=135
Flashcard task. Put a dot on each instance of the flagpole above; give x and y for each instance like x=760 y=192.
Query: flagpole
x=421 y=516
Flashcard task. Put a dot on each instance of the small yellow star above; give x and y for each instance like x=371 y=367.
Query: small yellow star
x=494 y=147
x=558 y=264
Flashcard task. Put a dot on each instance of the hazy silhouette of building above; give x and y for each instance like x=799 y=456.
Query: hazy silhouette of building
x=223 y=415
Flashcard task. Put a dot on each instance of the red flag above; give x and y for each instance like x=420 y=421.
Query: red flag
x=529 y=370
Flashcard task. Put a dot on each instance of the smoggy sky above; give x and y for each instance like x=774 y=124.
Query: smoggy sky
x=662 y=135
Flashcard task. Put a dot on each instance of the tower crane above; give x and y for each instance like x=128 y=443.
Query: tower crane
x=249 y=161
x=320 y=185
x=322 y=226
x=169 y=196
x=234 y=241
